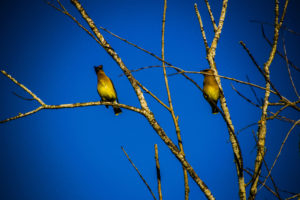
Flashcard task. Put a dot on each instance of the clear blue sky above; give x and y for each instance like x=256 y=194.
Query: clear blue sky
x=75 y=153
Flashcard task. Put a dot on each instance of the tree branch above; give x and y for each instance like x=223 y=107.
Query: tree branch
x=158 y=173
x=175 y=119
x=141 y=176
x=262 y=129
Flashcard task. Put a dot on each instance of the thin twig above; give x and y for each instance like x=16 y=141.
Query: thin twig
x=278 y=111
x=281 y=147
x=259 y=68
x=293 y=197
x=155 y=97
x=175 y=119
x=136 y=169
x=271 y=24
x=20 y=115
x=65 y=11
x=274 y=115
x=259 y=101
x=244 y=128
x=23 y=87
x=278 y=52
x=201 y=28
x=158 y=173
x=211 y=15
x=267 y=78
x=24 y=98
x=288 y=68
x=225 y=77
x=267 y=187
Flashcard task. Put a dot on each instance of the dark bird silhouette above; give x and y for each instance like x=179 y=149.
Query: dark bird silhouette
x=106 y=89
x=211 y=91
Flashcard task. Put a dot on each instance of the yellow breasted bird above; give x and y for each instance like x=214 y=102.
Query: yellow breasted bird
x=211 y=91
x=106 y=89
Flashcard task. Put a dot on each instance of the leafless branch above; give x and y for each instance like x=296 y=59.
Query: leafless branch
x=201 y=28
x=288 y=68
x=153 y=95
x=136 y=169
x=23 y=87
x=24 y=98
x=261 y=132
x=267 y=187
x=271 y=24
x=293 y=197
x=278 y=52
x=175 y=119
x=267 y=168
x=158 y=172
x=259 y=101
x=281 y=147
x=211 y=15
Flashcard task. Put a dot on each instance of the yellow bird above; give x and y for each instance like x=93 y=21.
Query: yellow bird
x=211 y=91
x=106 y=89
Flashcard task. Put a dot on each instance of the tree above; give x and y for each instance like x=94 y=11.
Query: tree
x=266 y=93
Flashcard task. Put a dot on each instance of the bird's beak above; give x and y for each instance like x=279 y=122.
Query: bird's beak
x=96 y=69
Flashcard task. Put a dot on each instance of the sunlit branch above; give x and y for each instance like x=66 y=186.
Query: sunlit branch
x=23 y=87
x=175 y=119
x=151 y=94
x=293 y=197
x=201 y=28
x=262 y=128
x=211 y=15
x=72 y=105
x=268 y=170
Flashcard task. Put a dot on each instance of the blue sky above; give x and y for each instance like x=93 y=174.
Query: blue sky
x=76 y=154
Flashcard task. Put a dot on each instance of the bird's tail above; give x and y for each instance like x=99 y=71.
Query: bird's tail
x=214 y=108
x=117 y=110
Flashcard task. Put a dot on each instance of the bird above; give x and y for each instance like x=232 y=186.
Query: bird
x=106 y=89
x=211 y=91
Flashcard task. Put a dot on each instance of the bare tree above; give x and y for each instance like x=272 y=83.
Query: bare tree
x=255 y=172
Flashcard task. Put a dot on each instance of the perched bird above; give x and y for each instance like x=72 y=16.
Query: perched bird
x=211 y=91
x=106 y=89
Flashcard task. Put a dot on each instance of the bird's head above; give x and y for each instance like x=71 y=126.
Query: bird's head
x=207 y=71
x=100 y=67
